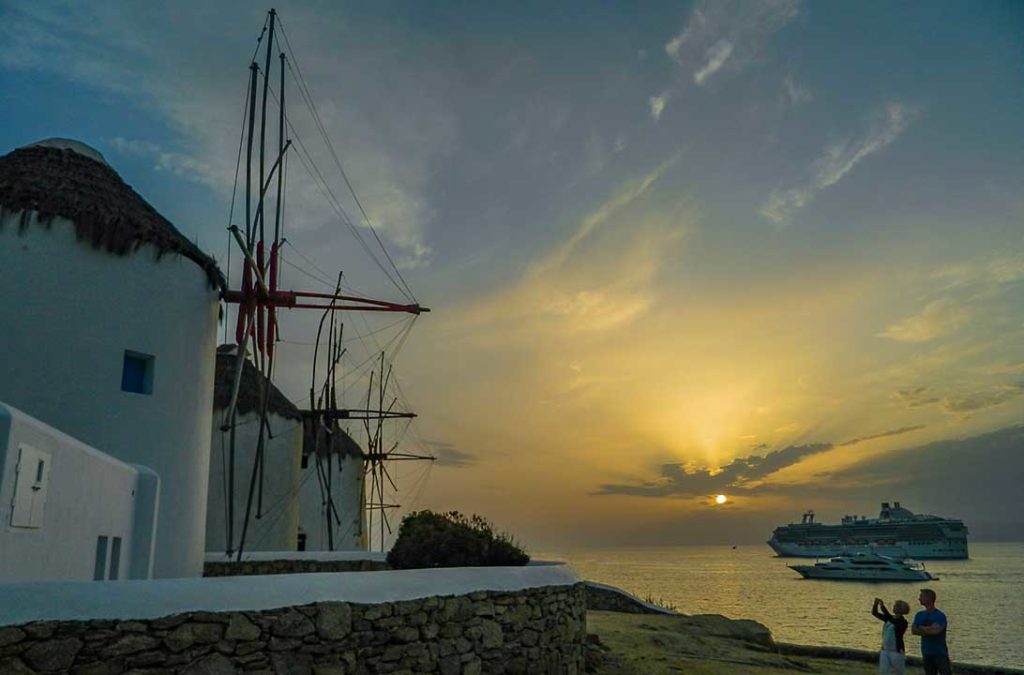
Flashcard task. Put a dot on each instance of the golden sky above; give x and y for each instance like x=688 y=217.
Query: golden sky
x=773 y=250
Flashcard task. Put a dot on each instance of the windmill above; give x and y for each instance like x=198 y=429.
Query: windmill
x=260 y=295
x=379 y=454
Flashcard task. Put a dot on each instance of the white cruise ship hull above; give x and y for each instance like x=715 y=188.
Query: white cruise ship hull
x=939 y=550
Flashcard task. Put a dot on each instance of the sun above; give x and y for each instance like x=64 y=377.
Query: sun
x=721 y=499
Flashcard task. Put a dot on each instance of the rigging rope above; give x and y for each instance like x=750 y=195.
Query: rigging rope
x=334 y=202
x=307 y=97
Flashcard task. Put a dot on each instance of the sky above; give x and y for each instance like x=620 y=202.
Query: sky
x=772 y=250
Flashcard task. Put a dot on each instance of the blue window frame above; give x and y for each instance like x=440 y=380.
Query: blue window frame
x=137 y=374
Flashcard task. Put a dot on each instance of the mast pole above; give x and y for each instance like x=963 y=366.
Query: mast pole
x=248 y=155
x=263 y=115
x=280 y=154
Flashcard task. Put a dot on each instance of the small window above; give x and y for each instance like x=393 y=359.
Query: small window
x=137 y=375
x=100 y=569
x=115 y=558
x=301 y=544
x=305 y=461
x=40 y=465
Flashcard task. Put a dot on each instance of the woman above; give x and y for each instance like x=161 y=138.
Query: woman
x=892 y=659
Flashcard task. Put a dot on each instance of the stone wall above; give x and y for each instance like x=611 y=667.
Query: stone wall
x=283 y=566
x=601 y=597
x=536 y=630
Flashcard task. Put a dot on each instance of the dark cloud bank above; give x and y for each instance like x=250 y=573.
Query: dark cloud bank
x=978 y=479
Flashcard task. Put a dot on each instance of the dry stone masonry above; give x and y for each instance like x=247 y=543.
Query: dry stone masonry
x=289 y=566
x=538 y=630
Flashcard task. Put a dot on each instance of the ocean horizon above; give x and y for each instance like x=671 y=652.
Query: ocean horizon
x=983 y=596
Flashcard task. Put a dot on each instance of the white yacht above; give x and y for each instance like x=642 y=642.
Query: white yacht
x=864 y=567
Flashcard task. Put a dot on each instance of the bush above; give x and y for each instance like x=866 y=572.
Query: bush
x=428 y=539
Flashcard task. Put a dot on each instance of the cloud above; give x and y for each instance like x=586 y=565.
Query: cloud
x=938 y=318
x=717 y=55
x=679 y=480
x=961 y=403
x=796 y=93
x=180 y=164
x=724 y=36
x=974 y=478
x=625 y=196
x=720 y=37
x=884 y=434
x=917 y=397
x=992 y=271
x=741 y=474
x=192 y=76
x=447 y=455
x=657 y=104
x=838 y=160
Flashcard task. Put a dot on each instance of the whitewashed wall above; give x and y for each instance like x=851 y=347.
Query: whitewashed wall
x=74 y=311
x=81 y=494
x=276 y=530
x=347 y=491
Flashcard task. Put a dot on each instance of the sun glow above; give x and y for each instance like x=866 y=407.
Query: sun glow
x=721 y=499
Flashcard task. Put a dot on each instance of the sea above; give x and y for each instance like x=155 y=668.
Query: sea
x=983 y=597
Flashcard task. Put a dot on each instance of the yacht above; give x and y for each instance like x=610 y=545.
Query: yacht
x=865 y=567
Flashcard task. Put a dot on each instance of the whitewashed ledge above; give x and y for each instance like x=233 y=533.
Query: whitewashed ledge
x=253 y=556
x=22 y=603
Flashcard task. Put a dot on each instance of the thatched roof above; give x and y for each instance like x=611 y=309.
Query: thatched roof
x=53 y=180
x=249 y=388
x=316 y=439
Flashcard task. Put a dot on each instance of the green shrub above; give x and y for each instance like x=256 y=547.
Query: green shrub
x=428 y=539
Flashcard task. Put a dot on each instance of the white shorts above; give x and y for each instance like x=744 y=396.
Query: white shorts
x=891 y=663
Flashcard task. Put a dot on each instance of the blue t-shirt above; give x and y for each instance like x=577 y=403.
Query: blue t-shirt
x=932 y=645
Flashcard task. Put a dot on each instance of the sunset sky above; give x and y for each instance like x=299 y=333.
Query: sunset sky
x=772 y=250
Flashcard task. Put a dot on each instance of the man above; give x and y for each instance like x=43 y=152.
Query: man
x=930 y=624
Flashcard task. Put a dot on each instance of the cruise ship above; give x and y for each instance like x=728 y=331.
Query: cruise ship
x=897 y=533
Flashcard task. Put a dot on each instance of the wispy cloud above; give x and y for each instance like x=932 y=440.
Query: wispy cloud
x=884 y=434
x=991 y=271
x=193 y=78
x=916 y=397
x=721 y=37
x=938 y=318
x=717 y=55
x=180 y=164
x=622 y=198
x=838 y=160
x=796 y=93
x=658 y=104
x=971 y=402
x=961 y=403
x=726 y=36
x=448 y=455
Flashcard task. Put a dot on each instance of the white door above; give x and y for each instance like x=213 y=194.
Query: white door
x=31 y=484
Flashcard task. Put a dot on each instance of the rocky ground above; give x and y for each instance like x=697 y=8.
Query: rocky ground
x=648 y=644
x=709 y=644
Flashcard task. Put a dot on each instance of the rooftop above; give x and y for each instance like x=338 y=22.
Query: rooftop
x=64 y=178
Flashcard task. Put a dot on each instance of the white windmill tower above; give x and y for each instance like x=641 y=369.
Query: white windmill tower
x=110 y=332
